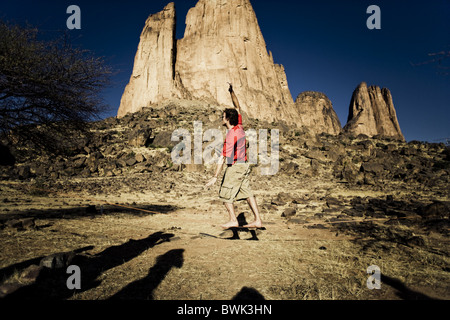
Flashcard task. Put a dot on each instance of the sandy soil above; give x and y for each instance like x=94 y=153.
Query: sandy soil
x=189 y=257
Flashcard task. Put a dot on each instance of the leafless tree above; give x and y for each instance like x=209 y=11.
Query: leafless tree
x=47 y=87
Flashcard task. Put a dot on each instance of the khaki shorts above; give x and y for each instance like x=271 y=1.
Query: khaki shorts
x=235 y=184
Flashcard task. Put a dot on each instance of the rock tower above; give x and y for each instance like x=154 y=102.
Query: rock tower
x=372 y=113
x=222 y=43
x=317 y=113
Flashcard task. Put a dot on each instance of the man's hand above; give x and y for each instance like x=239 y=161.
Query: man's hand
x=210 y=183
x=220 y=163
x=234 y=98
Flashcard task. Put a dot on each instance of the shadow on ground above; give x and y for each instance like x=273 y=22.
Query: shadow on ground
x=403 y=292
x=88 y=211
x=51 y=283
x=247 y=293
x=143 y=289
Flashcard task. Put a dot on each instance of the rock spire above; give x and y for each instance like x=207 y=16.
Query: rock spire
x=317 y=113
x=222 y=43
x=372 y=113
x=153 y=73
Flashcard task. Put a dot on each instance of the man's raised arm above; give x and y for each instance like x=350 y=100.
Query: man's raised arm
x=234 y=99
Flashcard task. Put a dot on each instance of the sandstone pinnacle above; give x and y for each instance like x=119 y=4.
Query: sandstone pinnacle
x=372 y=113
x=222 y=43
x=153 y=73
x=317 y=113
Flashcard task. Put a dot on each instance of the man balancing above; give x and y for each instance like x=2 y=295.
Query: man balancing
x=235 y=184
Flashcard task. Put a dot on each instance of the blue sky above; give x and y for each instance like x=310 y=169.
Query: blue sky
x=324 y=46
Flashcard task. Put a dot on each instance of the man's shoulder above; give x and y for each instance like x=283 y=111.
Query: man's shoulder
x=239 y=130
x=236 y=131
x=238 y=127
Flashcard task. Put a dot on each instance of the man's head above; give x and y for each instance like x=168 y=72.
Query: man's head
x=232 y=116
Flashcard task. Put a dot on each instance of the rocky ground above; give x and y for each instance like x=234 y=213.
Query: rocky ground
x=141 y=227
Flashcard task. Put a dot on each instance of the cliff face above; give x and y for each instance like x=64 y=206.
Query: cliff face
x=222 y=43
x=317 y=113
x=153 y=73
x=372 y=113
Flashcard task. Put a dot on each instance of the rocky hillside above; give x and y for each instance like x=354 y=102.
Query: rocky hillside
x=141 y=143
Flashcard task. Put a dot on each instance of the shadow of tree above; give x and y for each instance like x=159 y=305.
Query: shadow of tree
x=51 y=283
x=403 y=291
x=88 y=211
x=143 y=289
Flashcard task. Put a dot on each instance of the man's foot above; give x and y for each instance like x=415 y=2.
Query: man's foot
x=231 y=224
x=256 y=224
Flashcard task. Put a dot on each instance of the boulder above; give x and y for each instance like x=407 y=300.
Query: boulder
x=131 y=161
x=437 y=209
x=164 y=139
x=8 y=288
x=372 y=167
x=289 y=212
x=21 y=224
x=140 y=136
x=316 y=155
x=24 y=172
x=57 y=260
x=79 y=162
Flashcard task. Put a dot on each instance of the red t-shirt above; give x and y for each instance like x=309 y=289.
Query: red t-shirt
x=235 y=146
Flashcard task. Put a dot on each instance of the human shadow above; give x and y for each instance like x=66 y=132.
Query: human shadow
x=403 y=291
x=89 y=211
x=242 y=220
x=51 y=283
x=143 y=289
x=247 y=293
x=236 y=235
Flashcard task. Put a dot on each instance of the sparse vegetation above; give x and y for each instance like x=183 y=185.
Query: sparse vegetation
x=390 y=208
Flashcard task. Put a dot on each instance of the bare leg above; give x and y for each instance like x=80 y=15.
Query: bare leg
x=233 y=223
x=254 y=206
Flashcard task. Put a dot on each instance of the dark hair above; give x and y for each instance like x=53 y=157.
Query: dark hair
x=233 y=116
